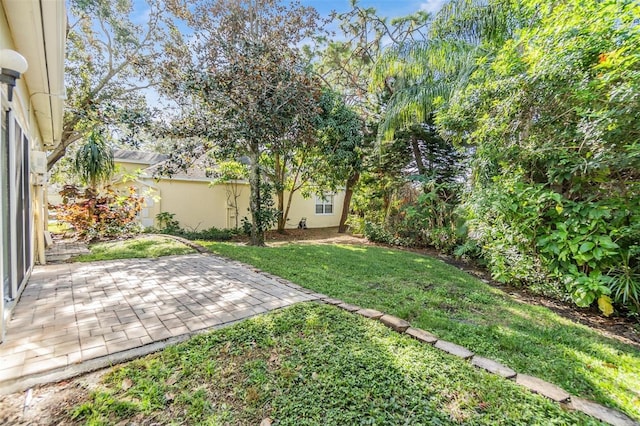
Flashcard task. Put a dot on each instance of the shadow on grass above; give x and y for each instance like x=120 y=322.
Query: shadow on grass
x=458 y=307
x=315 y=364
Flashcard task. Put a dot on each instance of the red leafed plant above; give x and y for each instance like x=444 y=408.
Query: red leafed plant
x=97 y=215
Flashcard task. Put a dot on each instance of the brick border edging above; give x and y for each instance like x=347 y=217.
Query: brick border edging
x=197 y=247
x=535 y=385
x=555 y=393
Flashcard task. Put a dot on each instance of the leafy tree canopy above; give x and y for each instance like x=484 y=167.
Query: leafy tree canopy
x=109 y=62
x=242 y=84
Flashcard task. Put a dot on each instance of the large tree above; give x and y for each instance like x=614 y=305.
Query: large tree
x=339 y=148
x=325 y=160
x=241 y=82
x=110 y=53
x=346 y=64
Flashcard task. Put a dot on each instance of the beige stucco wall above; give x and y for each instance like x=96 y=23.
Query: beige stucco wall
x=197 y=205
x=306 y=207
x=20 y=105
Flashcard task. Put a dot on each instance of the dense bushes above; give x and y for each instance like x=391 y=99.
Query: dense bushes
x=555 y=196
x=428 y=221
x=552 y=200
x=532 y=235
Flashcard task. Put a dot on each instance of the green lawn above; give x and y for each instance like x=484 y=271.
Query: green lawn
x=146 y=246
x=58 y=227
x=458 y=307
x=311 y=364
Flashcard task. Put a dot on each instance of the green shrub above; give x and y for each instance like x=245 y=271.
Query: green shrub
x=625 y=286
x=211 y=234
x=378 y=234
x=532 y=235
x=431 y=220
x=169 y=225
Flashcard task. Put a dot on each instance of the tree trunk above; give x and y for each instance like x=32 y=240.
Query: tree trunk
x=286 y=212
x=348 y=193
x=236 y=195
x=255 y=203
x=60 y=150
x=415 y=146
x=279 y=179
x=281 y=216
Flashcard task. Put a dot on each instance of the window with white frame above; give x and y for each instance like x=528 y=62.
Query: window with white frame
x=324 y=204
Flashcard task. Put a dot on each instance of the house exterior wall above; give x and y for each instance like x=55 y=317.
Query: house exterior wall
x=306 y=207
x=197 y=205
x=29 y=125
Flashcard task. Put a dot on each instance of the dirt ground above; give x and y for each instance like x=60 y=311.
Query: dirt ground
x=50 y=404
x=312 y=236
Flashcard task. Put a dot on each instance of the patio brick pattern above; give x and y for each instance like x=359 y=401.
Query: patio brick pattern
x=94 y=314
x=72 y=313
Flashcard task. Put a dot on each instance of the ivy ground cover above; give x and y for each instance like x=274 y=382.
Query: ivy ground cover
x=457 y=307
x=311 y=364
x=140 y=247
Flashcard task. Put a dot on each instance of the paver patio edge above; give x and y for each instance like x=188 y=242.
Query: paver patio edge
x=22 y=383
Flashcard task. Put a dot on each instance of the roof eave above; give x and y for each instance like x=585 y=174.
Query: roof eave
x=39 y=28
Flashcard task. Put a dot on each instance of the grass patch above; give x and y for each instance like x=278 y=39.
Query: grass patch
x=141 y=247
x=58 y=227
x=458 y=307
x=311 y=364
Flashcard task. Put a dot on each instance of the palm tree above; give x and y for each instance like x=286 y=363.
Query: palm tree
x=420 y=76
x=94 y=159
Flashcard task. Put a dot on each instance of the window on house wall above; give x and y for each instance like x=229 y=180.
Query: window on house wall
x=324 y=204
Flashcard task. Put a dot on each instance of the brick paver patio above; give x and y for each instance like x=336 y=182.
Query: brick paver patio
x=70 y=314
